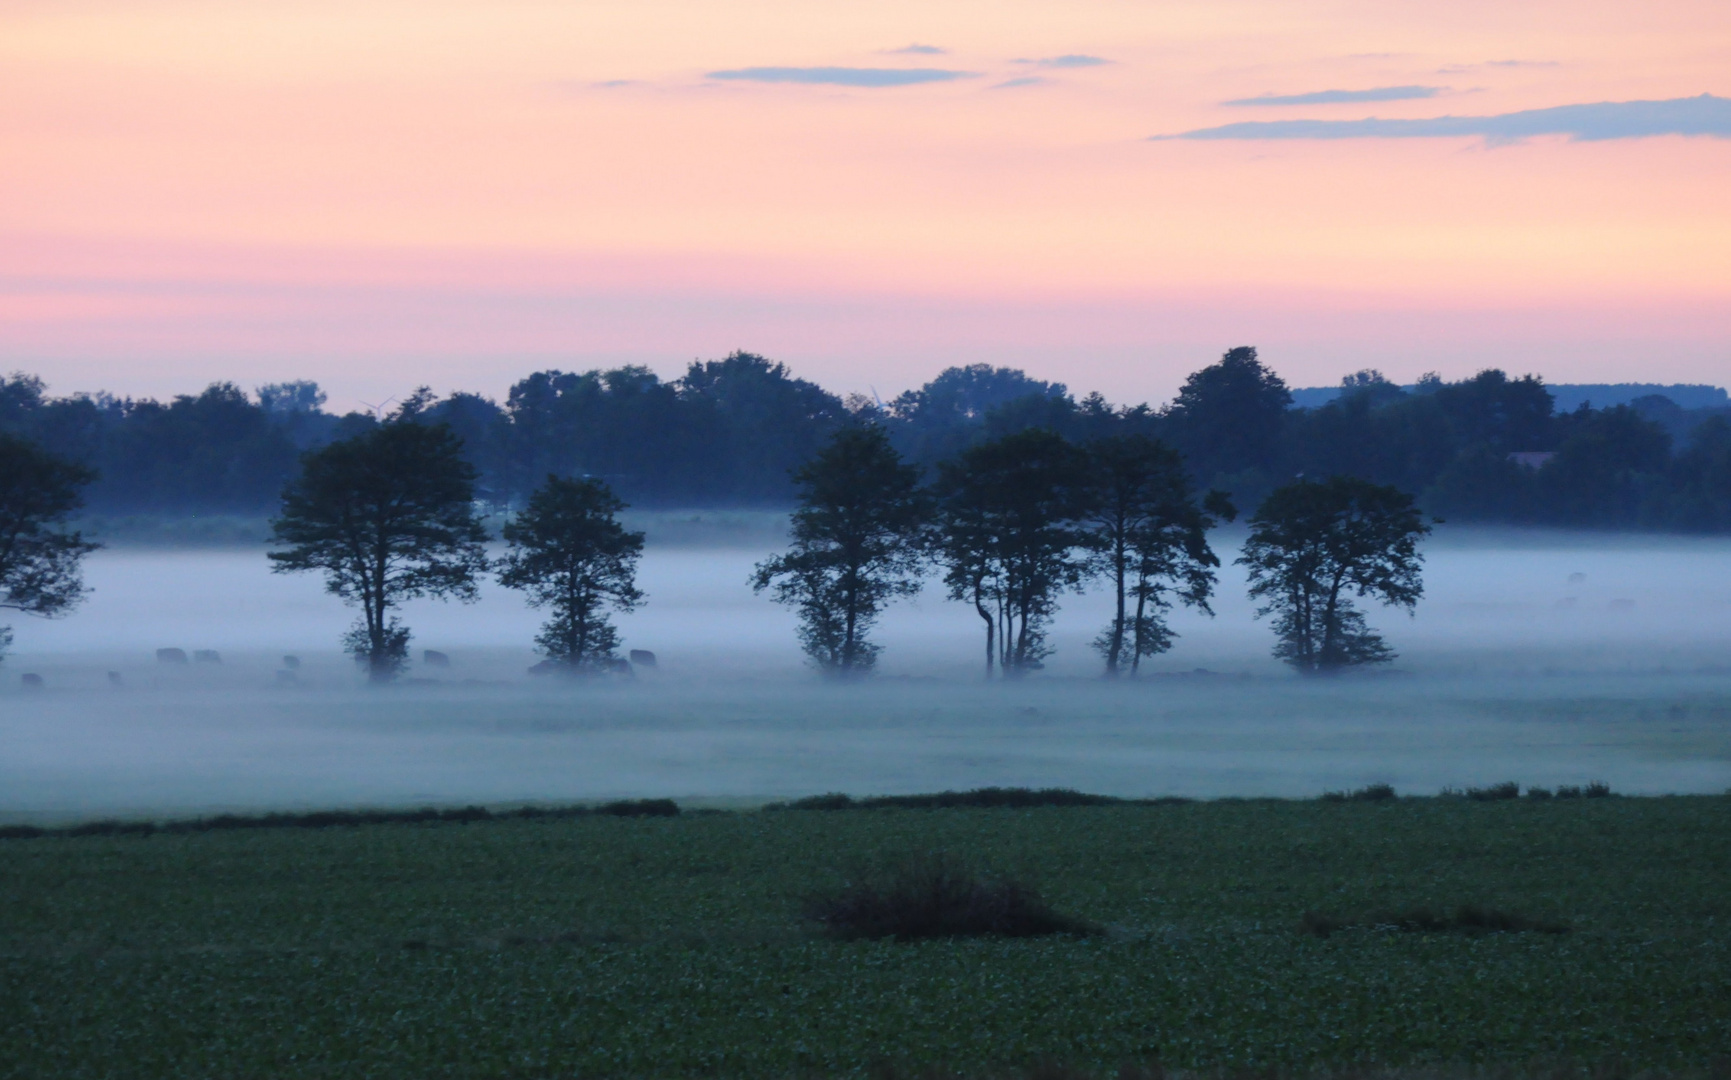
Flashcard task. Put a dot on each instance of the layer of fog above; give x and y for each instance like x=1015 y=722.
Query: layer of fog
x=1541 y=657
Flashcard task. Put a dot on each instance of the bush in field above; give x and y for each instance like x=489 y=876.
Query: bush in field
x=931 y=896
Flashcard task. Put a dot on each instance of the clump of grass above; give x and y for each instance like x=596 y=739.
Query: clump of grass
x=936 y=896
x=1369 y=793
x=1468 y=919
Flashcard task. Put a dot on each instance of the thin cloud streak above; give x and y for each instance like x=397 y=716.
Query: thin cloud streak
x=842 y=76
x=1332 y=97
x=1069 y=60
x=916 y=50
x=1704 y=115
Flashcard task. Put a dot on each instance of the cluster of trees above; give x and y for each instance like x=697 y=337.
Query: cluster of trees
x=390 y=514
x=730 y=432
x=1015 y=522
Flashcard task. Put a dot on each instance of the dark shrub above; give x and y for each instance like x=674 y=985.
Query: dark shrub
x=1538 y=793
x=933 y=896
x=1496 y=792
x=1598 y=789
x=832 y=801
x=1371 y=793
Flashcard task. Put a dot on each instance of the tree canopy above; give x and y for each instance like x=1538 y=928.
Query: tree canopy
x=386 y=516
x=1313 y=546
x=857 y=544
x=1008 y=538
x=40 y=560
x=570 y=554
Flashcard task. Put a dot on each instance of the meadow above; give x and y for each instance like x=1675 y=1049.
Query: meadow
x=602 y=945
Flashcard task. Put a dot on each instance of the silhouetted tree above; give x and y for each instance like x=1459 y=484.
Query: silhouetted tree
x=388 y=515
x=856 y=546
x=1315 y=545
x=1228 y=418
x=570 y=553
x=1007 y=538
x=1148 y=537
x=39 y=561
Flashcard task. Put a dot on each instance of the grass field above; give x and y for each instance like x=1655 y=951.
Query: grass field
x=604 y=946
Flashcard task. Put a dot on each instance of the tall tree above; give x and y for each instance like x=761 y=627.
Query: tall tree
x=1008 y=539
x=570 y=553
x=388 y=516
x=856 y=546
x=39 y=560
x=1313 y=546
x=1149 y=538
x=1228 y=418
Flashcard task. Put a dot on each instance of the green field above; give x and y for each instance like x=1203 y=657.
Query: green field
x=601 y=946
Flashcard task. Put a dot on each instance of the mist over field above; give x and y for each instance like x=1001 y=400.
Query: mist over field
x=1537 y=656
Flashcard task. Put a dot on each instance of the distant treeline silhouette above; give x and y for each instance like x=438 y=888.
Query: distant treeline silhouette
x=1490 y=448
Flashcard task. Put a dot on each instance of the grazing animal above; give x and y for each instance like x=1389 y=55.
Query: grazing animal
x=33 y=681
x=171 y=656
x=207 y=656
x=620 y=667
x=293 y=663
x=435 y=658
x=115 y=680
x=643 y=658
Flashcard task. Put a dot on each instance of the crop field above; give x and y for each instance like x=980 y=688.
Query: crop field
x=1238 y=935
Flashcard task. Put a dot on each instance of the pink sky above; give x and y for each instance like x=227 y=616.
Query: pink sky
x=376 y=195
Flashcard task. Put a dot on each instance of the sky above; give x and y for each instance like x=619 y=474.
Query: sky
x=1108 y=193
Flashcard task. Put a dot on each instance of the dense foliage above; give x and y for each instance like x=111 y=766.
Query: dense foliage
x=386 y=516
x=40 y=571
x=730 y=431
x=569 y=553
x=601 y=946
x=857 y=544
x=1315 y=547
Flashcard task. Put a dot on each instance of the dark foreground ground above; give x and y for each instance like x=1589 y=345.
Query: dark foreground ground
x=671 y=946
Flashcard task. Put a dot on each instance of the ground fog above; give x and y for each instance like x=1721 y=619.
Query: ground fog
x=1541 y=657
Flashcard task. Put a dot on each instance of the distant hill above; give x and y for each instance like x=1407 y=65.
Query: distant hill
x=1570 y=396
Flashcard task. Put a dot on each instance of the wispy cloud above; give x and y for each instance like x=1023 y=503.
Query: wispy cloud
x=1704 y=115
x=842 y=76
x=1332 y=97
x=916 y=50
x=612 y=84
x=1461 y=69
x=1069 y=60
x=1025 y=80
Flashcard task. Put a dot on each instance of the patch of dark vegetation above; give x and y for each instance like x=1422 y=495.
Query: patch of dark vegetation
x=1468 y=919
x=325 y=819
x=935 y=896
x=1014 y=798
x=1370 y=793
x=1598 y=789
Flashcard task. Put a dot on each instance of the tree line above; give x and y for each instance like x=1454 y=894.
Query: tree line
x=730 y=432
x=390 y=514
